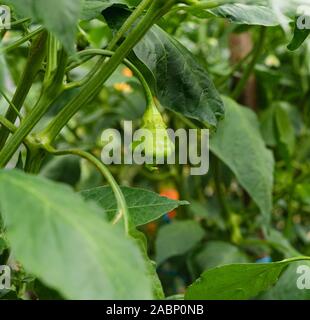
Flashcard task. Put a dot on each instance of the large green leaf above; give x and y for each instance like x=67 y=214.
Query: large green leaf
x=144 y=206
x=240 y=13
x=177 y=238
x=183 y=85
x=239 y=144
x=286 y=288
x=93 y=8
x=247 y=14
x=236 y=281
x=58 y=16
x=63 y=240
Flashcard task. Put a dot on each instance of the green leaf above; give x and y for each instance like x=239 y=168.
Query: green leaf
x=183 y=85
x=299 y=37
x=93 y=8
x=63 y=169
x=62 y=240
x=157 y=289
x=247 y=14
x=60 y=17
x=177 y=238
x=144 y=206
x=237 y=281
x=239 y=144
x=286 y=288
x=218 y=253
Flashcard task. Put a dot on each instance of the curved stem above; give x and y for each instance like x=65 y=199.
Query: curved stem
x=121 y=202
x=131 y=66
x=295 y=259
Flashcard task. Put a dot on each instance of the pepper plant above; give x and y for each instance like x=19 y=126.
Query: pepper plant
x=73 y=228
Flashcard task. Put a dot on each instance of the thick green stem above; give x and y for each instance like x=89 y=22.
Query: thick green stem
x=129 y=23
x=93 y=87
x=34 y=63
x=122 y=31
x=47 y=98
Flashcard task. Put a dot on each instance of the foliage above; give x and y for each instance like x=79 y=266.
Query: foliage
x=74 y=228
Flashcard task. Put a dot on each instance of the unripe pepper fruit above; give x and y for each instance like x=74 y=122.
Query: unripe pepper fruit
x=160 y=145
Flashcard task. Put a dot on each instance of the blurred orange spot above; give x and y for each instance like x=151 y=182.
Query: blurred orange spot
x=127 y=73
x=172 y=214
x=123 y=87
x=172 y=194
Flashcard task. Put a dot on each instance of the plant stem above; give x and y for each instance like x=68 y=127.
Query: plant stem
x=11 y=105
x=21 y=41
x=234 y=68
x=249 y=70
x=295 y=259
x=16 y=23
x=48 y=96
x=52 y=59
x=202 y=5
x=122 y=31
x=132 y=67
x=218 y=188
x=129 y=23
x=93 y=87
x=121 y=202
x=7 y=124
x=34 y=63
x=10 y=126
